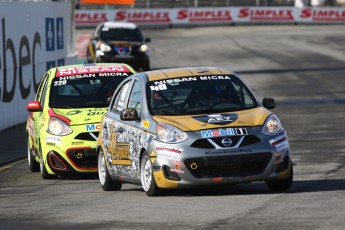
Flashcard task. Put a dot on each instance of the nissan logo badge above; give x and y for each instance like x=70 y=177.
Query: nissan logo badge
x=226 y=141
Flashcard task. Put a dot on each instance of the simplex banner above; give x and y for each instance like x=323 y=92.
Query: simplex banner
x=214 y=16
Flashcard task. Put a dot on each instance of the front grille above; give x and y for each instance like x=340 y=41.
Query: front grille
x=234 y=139
x=229 y=166
x=249 y=140
x=205 y=144
x=87 y=136
x=83 y=158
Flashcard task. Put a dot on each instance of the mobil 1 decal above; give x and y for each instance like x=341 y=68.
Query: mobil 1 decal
x=218 y=119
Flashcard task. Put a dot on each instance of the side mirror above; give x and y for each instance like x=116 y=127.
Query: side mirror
x=147 y=39
x=129 y=114
x=34 y=106
x=269 y=102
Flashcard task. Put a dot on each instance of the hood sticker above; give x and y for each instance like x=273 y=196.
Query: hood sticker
x=218 y=119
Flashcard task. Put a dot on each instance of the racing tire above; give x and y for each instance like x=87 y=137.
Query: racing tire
x=146 y=176
x=34 y=166
x=44 y=173
x=107 y=183
x=281 y=185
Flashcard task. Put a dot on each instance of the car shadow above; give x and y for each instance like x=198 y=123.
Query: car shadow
x=260 y=188
x=255 y=188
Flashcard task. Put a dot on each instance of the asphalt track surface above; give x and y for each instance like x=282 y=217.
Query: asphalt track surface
x=302 y=67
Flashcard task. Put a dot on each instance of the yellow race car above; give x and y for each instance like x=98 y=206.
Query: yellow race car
x=64 y=120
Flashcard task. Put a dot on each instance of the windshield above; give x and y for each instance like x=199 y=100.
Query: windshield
x=198 y=95
x=84 y=91
x=121 y=34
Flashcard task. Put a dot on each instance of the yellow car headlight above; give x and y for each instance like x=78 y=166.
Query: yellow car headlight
x=58 y=127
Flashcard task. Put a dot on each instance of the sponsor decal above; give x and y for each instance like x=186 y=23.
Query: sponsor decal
x=142 y=16
x=227 y=151
x=153 y=154
x=168 y=152
x=204 y=15
x=93 y=112
x=93 y=127
x=84 y=71
x=177 y=165
x=158 y=87
x=145 y=124
x=167 y=155
x=283 y=145
x=153 y=157
x=51 y=139
x=73 y=112
x=323 y=14
x=188 y=79
x=120 y=154
x=278 y=157
x=266 y=14
x=223 y=132
x=278 y=139
x=90 y=17
x=219 y=119
x=78 y=143
x=169 y=149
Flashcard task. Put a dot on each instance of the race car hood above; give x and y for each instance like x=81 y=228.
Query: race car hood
x=80 y=116
x=251 y=117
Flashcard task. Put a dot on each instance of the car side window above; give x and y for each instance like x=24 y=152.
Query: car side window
x=245 y=100
x=135 y=97
x=120 y=100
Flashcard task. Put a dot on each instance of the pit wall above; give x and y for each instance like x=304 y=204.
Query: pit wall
x=176 y=17
x=33 y=38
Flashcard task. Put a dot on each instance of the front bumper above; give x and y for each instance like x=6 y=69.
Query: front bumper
x=180 y=166
x=81 y=160
x=66 y=156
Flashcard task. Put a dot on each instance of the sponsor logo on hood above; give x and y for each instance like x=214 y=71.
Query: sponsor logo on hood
x=218 y=119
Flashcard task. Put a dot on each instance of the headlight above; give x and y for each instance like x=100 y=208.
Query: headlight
x=170 y=134
x=144 y=49
x=58 y=127
x=103 y=47
x=272 y=125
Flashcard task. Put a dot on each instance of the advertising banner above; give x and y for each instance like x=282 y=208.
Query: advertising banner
x=33 y=39
x=212 y=15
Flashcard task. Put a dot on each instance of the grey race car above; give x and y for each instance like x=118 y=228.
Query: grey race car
x=192 y=126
